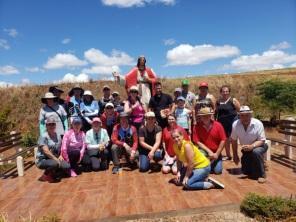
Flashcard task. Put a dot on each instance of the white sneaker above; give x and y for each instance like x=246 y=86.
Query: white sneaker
x=216 y=183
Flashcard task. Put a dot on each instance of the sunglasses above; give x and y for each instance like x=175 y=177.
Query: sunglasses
x=109 y=107
x=134 y=91
x=50 y=124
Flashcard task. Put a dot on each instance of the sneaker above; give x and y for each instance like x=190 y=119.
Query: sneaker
x=216 y=183
x=261 y=180
x=73 y=173
x=115 y=170
x=47 y=178
x=224 y=158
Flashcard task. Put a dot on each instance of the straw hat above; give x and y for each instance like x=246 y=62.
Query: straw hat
x=205 y=111
x=245 y=109
x=48 y=95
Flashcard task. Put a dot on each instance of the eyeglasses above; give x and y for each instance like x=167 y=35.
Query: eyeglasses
x=134 y=91
x=109 y=107
x=50 y=124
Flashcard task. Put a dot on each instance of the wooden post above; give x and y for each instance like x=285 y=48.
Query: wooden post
x=20 y=166
x=268 y=152
x=288 y=149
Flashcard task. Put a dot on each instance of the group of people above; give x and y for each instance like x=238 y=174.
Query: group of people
x=183 y=135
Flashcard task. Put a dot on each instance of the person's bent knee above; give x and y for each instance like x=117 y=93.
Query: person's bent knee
x=114 y=147
x=174 y=170
x=143 y=169
x=165 y=169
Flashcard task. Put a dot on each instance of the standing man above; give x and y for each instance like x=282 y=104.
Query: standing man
x=189 y=96
x=250 y=132
x=161 y=104
x=106 y=98
x=209 y=135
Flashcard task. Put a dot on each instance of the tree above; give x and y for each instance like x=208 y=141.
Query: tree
x=278 y=96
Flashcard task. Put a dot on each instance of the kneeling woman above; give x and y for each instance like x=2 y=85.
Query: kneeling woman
x=48 y=154
x=196 y=167
x=73 y=145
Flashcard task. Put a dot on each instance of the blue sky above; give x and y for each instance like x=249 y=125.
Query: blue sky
x=74 y=40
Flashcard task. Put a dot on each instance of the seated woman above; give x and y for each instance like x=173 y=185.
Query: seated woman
x=89 y=109
x=150 y=142
x=73 y=145
x=135 y=108
x=169 y=163
x=196 y=167
x=48 y=154
x=97 y=140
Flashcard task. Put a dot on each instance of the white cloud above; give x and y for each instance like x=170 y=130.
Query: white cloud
x=11 y=32
x=64 y=60
x=118 y=58
x=66 y=41
x=102 y=70
x=169 y=41
x=34 y=69
x=271 y=59
x=4 y=44
x=8 y=70
x=72 y=78
x=281 y=45
x=5 y=84
x=104 y=64
x=186 y=54
x=25 y=81
x=135 y=3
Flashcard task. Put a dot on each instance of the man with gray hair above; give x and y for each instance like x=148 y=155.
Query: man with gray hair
x=250 y=132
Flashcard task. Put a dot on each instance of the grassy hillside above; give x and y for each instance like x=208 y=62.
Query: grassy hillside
x=23 y=103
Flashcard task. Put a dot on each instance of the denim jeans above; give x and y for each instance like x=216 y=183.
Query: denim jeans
x=98 y=161
x=216 y=165
x=253 y=162
x=145 y=161
x=197 y=179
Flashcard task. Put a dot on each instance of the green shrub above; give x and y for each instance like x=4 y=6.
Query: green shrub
x=268 y=208
x=29 y=139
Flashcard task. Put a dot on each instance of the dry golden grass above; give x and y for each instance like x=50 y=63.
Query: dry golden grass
x=25 y=103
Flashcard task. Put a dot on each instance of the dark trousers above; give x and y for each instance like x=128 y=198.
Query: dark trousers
x=74 y=156
x=253 y=162
x=50 y=164
x=118 y=151
x=98 y=161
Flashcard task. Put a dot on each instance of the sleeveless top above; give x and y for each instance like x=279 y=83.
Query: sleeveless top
x=202 y=102
x=137 y=114
x=199 y=160
x=182 y=117
x=226 y=109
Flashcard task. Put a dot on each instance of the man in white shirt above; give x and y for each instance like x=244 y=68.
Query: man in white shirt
x=250 y=132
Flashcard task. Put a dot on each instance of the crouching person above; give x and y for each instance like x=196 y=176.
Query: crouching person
x=250 y=132
x=125 y=141
x=73 y=146
x=48 y=154
x=150 y=142
x=97 y=140
x=193 y=167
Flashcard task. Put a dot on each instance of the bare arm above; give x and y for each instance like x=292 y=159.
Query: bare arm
x=189 y=157
x=234 y=148
x=144 y=144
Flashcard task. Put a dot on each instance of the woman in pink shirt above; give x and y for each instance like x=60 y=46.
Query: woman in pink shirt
x=73 y=145
x=135 y=108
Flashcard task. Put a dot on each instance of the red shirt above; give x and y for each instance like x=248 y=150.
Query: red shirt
x=211 y=138
x=168 y=140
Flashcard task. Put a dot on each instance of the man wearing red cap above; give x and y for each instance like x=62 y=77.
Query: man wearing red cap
x=204 y=98
x=141 y=76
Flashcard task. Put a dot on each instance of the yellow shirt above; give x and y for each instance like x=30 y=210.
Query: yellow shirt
x=199 y=160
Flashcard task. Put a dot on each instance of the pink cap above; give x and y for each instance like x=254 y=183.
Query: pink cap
x=203 y=84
